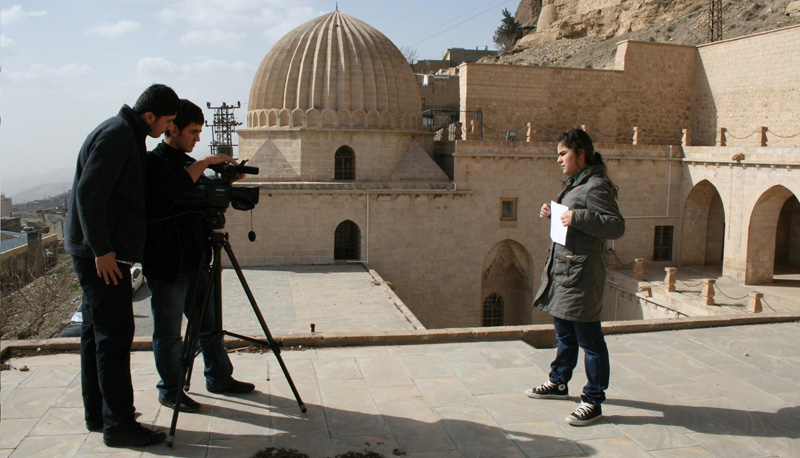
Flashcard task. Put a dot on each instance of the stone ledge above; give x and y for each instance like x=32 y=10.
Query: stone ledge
x=538 y=336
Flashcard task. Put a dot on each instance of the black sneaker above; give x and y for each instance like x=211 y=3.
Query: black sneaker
x=187 y=404
x=585 y=414
x=549 y=390
x=136 y=436
x=233 y=387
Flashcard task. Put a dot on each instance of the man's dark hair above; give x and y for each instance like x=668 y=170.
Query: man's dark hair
x=158 y=99
x=188 y=113
x=578 y=139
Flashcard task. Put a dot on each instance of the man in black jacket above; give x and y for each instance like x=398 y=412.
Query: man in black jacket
x=176 y=233
x=104 y=233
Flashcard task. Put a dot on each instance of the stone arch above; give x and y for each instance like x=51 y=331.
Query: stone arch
x=313 y=118
x=386 y=120
x=262 y=119
x=298 y=116
x=347 y=242
x=373 y=119
x=359 y=119
x=273 y=118
x=762 y=235
x=343 y=118
x=787 y=238
x=508 y=271
x=344 y=164
x=285 y=117
x=703 y=232
x=328 y=118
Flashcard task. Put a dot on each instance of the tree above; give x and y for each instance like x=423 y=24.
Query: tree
x=410 y=54
x=509 y=32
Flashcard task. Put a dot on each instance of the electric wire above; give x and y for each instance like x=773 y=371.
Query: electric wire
x=422 y=38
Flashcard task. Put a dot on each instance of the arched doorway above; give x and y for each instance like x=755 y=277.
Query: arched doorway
x=787 y=238
x=347 y=242
x=703 y=234
x=767 y=233
x=507 y=273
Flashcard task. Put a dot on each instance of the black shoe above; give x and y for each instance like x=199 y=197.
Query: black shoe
x=94 y=425
x=233 y=387
x=136 y=436
x=585 y=414
x=549 y=390
x=187 y=404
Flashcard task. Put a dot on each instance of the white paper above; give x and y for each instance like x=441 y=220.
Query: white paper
x=558 y=232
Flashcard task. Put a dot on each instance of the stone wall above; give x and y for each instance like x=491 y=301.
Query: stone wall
x=650 y=89
x=746 y=83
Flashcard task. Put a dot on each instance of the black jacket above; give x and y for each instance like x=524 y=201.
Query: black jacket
x=176 y=229
x=106 y=211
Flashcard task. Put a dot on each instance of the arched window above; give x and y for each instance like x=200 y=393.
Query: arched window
x=347 y=241
x=493 y=310
x=345 y=164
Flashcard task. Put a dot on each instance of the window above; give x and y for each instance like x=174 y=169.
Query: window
x=493 y=310
x=508 y=209
x=345 y=164
x=347 y=241
x=662 y=244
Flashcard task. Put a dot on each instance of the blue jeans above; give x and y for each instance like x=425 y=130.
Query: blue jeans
x=169 y=302
x=572 y=335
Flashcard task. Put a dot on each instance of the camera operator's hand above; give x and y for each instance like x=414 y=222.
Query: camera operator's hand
x=241 y=175
x=197 y=168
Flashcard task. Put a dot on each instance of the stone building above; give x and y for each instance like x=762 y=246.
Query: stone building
x=348 y=174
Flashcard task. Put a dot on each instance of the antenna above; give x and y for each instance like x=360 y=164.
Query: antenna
x=714 y=20
x=223 y=128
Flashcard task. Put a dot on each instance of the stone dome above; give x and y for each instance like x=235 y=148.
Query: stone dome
x=334 y=72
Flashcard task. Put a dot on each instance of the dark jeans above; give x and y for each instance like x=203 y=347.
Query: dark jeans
x=106 y=336
x=572 y=335
x=169 y=302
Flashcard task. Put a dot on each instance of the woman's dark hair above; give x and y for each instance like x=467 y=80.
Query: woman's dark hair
x=158 y=99
x=577 y=139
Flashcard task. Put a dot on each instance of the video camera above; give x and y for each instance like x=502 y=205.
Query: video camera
x=217 y=193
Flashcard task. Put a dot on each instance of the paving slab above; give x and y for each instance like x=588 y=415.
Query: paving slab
x=445 y=400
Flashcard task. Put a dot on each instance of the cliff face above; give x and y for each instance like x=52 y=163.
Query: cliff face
x=584 y=33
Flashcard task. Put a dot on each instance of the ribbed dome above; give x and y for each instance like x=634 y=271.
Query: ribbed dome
x=334 y=72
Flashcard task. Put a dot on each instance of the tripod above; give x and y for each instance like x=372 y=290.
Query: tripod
x=208 y=278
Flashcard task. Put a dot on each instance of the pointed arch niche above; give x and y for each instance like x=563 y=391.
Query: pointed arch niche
x=703 y=234
x=772 y=235
x=508 y=273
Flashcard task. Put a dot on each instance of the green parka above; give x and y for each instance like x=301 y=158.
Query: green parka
x=574 y=275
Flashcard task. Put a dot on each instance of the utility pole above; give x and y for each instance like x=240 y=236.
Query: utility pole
x=714 y=20
x=223 y=128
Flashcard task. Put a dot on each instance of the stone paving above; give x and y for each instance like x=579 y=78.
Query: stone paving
x=722 y=392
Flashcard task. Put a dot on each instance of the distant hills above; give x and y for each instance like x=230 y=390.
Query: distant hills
x=37 y=187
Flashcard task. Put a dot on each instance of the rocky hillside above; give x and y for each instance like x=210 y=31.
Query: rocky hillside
x=584 y=33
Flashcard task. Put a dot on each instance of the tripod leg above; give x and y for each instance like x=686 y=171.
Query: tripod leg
x=273 y=345
x=190 y=339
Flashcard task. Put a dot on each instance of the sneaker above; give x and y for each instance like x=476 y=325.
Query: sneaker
x=187 y=404
x=233 y=387
x=549 y=390
x=585 y=414
x=137 y=436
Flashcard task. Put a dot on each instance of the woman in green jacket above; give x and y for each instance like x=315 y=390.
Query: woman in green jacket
x=571 y=289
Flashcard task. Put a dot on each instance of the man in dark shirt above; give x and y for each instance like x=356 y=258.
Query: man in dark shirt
x=104 y=233
x=176 y=234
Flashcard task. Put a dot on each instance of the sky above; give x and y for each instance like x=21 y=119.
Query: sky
x=66 y=66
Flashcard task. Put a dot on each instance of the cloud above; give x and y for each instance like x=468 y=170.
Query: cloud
x=161 y=69
x=213 y=37
x=40 y=74
x=16 y=14
x=114 y=30
x=8 y=47
x=219 y=17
